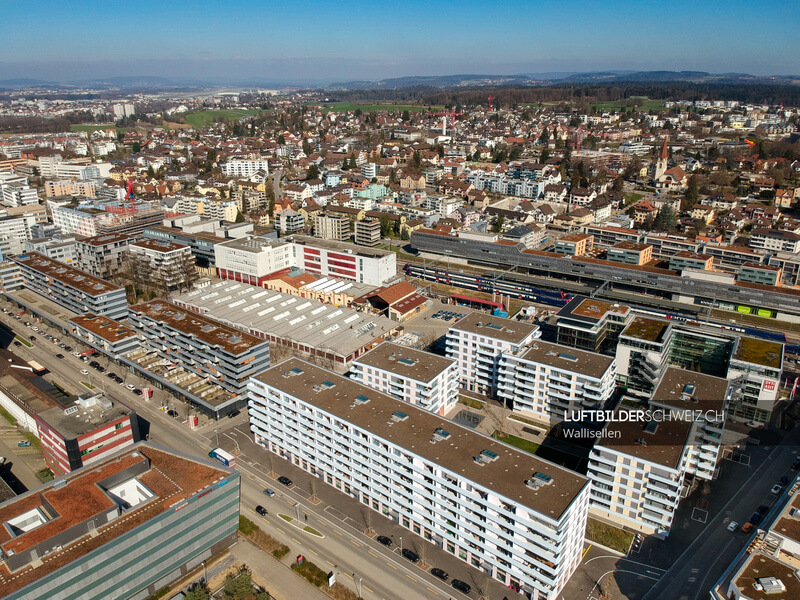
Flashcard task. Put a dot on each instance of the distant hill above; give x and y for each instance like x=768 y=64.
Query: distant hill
x=565 y=78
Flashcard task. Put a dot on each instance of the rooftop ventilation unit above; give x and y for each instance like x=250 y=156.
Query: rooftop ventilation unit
x=359 y=400
x=439 y=434
x=397 y=416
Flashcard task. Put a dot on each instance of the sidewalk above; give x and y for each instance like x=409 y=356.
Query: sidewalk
x=279 y=580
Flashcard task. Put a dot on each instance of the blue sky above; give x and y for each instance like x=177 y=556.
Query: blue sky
x=326 y=41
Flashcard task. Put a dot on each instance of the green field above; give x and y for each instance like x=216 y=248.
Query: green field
x=92 y=127
x=513 y=440
x=351 y=106
x=206 y=117
x=647 y=104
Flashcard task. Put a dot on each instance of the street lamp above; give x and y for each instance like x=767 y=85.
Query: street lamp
x=401 y=544
x=204 y=571
x=358 y=584
x=216 y=435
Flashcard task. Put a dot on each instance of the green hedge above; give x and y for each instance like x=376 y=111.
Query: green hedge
x=311 y=572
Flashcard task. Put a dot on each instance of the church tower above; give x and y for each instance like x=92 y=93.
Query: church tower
x=663 y=161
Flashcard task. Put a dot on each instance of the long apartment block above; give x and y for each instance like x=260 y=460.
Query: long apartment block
x=69 y=287
x=513 y=515
x=226 y=356
x=476 y=342
x=420 y=378
x=549 y=381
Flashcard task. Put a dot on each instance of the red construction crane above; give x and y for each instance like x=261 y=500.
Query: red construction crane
x=490 y=102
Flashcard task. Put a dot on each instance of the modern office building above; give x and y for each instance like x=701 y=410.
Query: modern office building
x=118 y=529
x=224 y=356
x=515 y=516
x=254 y=260
x=420 y=378
x=102 y=255
x=476 y=342
x=639 y=469
x=326 y=332
x=91 y=429
x=549 y=381
x=755 y=369
x=75 y=290
x=591 y=324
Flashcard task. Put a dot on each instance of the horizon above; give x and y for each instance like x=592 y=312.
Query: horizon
x=314 y=43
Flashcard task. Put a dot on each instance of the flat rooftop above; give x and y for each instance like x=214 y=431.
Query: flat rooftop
x=759 y=352
x=76 y=498
x=205 y=329
x=590 y=309
x=254 y=244
x=786 y=524
x=105 y=239
x=568 y=359
x=664 y=446
x=484 y=324
x=108 y=329
x=760 y=566
x=506 y=475
x=644 y=328
x=633 y=246
x=406 y=362
x=336 y=246
x=304 y=321
x=67 y=275
x=689 y=390
x=159 y=245
x=84 y=417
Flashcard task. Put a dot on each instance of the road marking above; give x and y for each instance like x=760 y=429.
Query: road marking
x=373 y=554
x=281 y=530
x=411 y=578
x=350 y=576
x=433 y=591
x=312 y=552
x=250 y=477
x=391 y=565
x=337 y=532
x=330 y=563
x=296 y=540
x=355 y=543
x=369 y=590
x=585 y=553
x=320 y=521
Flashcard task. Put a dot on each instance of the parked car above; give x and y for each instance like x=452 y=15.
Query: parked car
x=2 y=460
x=130 y=386
x=384 y=540
x=84 y=372
x=23 y=444
x=137 y=391
x=776 y=489
x=410 y=555
x=784 y=480
x=747 y=527
x=68 y=348
x=732 y=526
x=59 y=356
x=234 y=413
x=762 y=510
x=32 y=338
x=796 y=465
x=76 y=354
x=436 y=572
x=461 y=586
x=111 y=374
x=16 y=343
x=269 y=492
x=101 y=369
x=172 y=413
x=94 y=364
x=755 y=518
x=261 y=510
x=285 y=480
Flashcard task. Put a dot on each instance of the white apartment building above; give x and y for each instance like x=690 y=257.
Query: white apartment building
x=413 y=376
x=476 y=343
x=638 y=469
x=70 y=171
x=244 y=168
x=123 y=109
x=332 y=227
x=19 y=196
x=14 y=231
x=102 y=255
x=774 y=239
x=515 y=516
x=48 y=164
x=82 y=221
x=548 y=381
